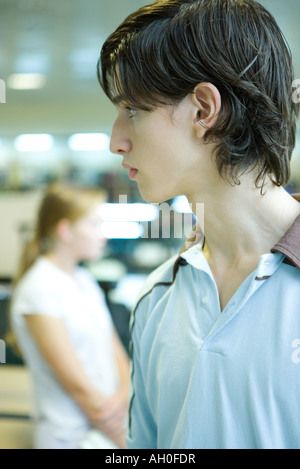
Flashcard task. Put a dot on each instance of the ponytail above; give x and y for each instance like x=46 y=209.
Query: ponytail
x=31 y=252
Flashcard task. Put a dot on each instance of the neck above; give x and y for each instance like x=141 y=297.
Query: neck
x=61 y=259
x=239 y=221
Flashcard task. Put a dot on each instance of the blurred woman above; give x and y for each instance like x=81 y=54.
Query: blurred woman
x=79 y=367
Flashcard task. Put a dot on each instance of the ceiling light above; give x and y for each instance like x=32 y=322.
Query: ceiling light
x=122 y=230
x=89 y=142
x=181 y=204
x=129 y=212
x=34 y=142
x=26 y=81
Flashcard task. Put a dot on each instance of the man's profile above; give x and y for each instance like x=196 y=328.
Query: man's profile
x=203 y=91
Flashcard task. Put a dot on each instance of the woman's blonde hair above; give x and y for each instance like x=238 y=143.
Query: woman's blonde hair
x=60 y=201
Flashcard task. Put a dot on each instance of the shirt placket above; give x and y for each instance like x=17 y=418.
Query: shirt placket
x=268 y=264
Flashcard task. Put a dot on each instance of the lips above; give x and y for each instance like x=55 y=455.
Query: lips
x=132 y=171
x=132 y=174
x=127 y=166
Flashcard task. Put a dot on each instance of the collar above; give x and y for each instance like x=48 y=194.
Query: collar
x=288 y=245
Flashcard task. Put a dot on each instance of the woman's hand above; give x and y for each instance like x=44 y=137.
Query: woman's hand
x=111 y=417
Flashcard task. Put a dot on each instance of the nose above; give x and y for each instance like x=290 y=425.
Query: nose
x=119 y=143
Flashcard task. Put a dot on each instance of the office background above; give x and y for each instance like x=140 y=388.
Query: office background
x=56 y=123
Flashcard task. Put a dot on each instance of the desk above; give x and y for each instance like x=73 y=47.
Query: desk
x=16 y=426
x=15 y=391
x=16 y=434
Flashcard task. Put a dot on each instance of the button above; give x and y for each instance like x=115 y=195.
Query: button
x=182 y=261
x=204 y=300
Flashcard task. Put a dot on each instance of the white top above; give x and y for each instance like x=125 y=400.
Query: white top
x=79 y=302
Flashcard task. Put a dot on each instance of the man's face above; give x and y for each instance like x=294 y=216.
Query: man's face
x=161 y=145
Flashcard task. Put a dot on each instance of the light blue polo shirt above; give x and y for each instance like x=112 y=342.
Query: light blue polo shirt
x=207 y=379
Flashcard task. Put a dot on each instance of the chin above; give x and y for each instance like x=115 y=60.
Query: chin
x=92 y=257
x=152 y=197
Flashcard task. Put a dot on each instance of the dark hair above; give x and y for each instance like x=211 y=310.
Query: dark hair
x=162 y=51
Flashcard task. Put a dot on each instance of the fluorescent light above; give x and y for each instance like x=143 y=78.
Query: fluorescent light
x=89 y=142
x=181 y=204
x=129 y=212
x=33 y=61
x=26 y=81
x=34 y=142
x=122 y=230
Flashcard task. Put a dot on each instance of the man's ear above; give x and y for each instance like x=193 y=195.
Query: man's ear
x=207 y=99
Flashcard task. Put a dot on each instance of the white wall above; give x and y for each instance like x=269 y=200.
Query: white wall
x=16 y=210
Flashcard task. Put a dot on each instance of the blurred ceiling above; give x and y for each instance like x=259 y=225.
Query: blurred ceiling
x=62 y=39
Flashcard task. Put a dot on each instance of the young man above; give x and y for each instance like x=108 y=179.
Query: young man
x=203 y=90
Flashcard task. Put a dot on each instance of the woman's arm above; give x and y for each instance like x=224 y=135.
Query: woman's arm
x=52 y=339
x=53 y=342
x=123 y=366
x=116 y=406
